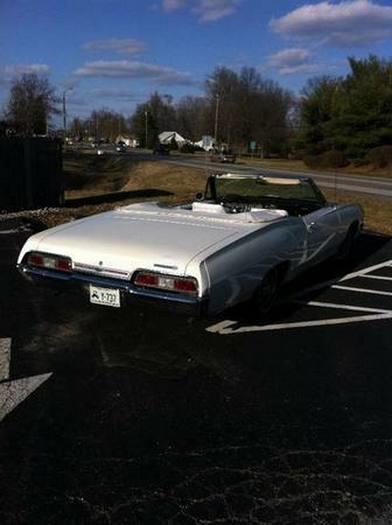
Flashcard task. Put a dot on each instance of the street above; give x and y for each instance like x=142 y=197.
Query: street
x=361 y=184
x=140 y=416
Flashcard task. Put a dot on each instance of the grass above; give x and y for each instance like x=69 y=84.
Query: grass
x=299 y=165
x=94 y=184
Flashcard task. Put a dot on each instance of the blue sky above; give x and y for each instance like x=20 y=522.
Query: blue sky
x=115 y=53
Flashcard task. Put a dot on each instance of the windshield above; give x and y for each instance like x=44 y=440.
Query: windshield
x=265 y=188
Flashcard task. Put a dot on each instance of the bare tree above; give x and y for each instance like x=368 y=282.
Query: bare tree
x=250 y=108
x=31 y=104
x=192 y=121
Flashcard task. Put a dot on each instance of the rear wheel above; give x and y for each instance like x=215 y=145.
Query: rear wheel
x=266 y=293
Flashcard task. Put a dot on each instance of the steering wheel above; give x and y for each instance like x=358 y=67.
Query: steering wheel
x=232 y=202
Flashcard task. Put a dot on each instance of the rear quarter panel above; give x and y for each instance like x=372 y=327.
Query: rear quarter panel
x=237 y=270
x=349 y=214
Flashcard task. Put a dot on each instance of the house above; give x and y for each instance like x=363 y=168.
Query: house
x=207 y=143
x=128 y=140
x=166 y=137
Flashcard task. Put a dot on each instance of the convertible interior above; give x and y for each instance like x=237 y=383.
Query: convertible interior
x=240 y=193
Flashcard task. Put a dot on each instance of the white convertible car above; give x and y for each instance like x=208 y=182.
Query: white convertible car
x=244 y=237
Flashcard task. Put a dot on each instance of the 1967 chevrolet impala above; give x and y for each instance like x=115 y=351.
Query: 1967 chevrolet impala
x=239 y=241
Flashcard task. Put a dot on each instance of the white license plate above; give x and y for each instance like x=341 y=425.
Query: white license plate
x=105 y=296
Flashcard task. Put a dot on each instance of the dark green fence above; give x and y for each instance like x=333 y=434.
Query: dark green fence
x=30 y=173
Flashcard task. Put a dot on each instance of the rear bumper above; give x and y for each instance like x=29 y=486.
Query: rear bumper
x=130 y=294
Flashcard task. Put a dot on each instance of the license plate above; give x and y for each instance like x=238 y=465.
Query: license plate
x=105 y=296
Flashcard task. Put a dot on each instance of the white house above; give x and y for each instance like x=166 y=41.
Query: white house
x=166 y=137
x=207 y=143
x=129 y=141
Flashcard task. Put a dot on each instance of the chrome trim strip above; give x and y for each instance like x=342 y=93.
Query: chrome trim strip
x=99 y=270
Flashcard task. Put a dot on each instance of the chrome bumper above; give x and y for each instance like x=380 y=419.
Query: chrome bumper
x=75 y=282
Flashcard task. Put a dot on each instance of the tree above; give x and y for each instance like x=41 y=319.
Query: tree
x=351 y=114
x=250 y=108
x=317 y=111
x=192 y=122
x=151 y=118
x=31 y=104
x=244 y=106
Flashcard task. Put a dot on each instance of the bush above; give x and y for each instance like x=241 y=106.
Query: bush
x=328 y=159
x=380 y=157
x=359 y=163
x=298 y=154
x=188 y=148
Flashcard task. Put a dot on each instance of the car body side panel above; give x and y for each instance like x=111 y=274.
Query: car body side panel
x=324 y=234
x=236 y=271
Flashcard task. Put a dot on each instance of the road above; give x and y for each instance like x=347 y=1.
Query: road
x=378 y=187
x=144 y=417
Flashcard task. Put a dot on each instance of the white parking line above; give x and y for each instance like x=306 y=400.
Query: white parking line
x=378 y=277
x=360 y=273
x=344 y=307
x=375 y=314
x=5 y=357
x=12 y=393
x=224 y=328
x=364 y=271
x=362 y=290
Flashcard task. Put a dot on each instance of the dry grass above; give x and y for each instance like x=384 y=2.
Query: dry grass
x=183 y=182
x=127 y=176
x=378 y=211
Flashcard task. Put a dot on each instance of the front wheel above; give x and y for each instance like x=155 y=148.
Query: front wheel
x=347 y=245
x=266 y=294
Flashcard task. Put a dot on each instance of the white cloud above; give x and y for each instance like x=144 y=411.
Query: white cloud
x=206 y=10
x=20 y=69
x=290 y=57
x=212 y=10
x=310 y=69
x=297 y=60
x=173 y=5
x=119 y=45
x=353 y=22
x=132 y=69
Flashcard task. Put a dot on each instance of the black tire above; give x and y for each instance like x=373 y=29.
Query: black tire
x=347 y=245
x=265 y=295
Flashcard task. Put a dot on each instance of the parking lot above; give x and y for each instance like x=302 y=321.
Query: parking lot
x=140 y=416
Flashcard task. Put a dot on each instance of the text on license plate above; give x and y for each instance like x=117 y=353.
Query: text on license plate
x=106 y=296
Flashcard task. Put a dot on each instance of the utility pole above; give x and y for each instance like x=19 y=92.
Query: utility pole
x=65 y=110
x=64 y=115
x=217 y=97
x=146 y=130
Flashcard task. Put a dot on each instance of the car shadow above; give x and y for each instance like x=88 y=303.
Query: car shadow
x=117 y=196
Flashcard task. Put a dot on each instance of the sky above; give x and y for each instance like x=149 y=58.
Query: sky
x=115 y=53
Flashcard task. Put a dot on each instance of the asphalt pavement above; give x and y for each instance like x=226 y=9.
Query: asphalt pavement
x=135 y=416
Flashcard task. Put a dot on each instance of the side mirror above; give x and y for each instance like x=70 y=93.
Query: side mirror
x=199 y=196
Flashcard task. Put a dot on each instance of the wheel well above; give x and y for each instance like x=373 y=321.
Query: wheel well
x=282 y=269
x=355 y=225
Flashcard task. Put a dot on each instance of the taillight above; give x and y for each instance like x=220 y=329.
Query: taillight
x=185 y=285
x=51 y=262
